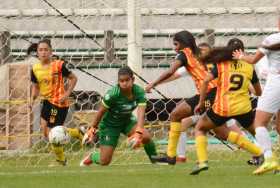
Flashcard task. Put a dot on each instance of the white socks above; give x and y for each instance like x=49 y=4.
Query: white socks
x=263 y=139
x=181 y=147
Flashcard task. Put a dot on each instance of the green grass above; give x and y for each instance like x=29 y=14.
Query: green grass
x=228 y=170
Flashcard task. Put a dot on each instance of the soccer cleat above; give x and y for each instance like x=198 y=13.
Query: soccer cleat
x=181 y=159
x=86 y=161
x=256 y=160
x=164 y=159
x=277 y=171
x=200 y=167
x=268 y=165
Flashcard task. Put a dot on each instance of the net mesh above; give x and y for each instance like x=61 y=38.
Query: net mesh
x=96 y=46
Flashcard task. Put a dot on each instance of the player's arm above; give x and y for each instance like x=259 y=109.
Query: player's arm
x=72 y=81
x=256 y=84
x=203 y=92
x=178 y=74
x=165 y=75
x=35 y=90
x=141 y=102
x=105 y=105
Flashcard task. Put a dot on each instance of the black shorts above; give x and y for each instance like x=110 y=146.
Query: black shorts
x=245 y=120
x=54 y=115
x=209 y=101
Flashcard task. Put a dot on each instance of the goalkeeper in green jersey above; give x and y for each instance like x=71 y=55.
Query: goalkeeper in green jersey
x=115 y=117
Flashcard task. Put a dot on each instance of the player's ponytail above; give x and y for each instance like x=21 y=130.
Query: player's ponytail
x=32 y=49
x=220 y=54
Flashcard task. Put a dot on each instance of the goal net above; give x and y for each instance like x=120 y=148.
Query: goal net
x=93 y=37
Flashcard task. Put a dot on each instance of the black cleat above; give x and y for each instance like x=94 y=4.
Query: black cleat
x=256 y=160
x=199 y=167
x=163 y=159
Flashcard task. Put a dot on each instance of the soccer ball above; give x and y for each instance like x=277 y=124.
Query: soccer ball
x=59 y=136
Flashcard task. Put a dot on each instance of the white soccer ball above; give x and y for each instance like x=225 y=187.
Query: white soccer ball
x=59 y=135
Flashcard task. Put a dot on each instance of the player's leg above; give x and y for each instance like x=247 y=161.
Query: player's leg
x=268 y=104
x=181 y=148
x=202 y=127
x=108 y=139
x=183 y=110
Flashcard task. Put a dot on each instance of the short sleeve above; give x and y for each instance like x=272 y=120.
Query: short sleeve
x=214 y=71
x=140 y=96
x=65 y=71
x=182 y=58
x=182 y=71
x=108 y=99
x=255 y=78
x=33 y=77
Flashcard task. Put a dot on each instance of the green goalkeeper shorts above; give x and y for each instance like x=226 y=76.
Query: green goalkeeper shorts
x=109 y=135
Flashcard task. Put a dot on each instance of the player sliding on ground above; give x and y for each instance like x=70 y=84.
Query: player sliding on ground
x=48 y=77
x=269 y=102
x=232 y=102
x=115 y=117
x=188 y=55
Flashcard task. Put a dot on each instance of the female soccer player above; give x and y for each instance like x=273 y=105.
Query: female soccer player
x=269 y=102
x=115 y=117
x=232 y=101
x=188 y=55
x=48 y=78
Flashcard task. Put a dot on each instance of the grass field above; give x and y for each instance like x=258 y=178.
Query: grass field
x=227 y=169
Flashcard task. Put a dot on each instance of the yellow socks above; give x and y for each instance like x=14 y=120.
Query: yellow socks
x=244 y=143
x=58 y=150
x=174 y=134
x=75 y=133
x=201 y=148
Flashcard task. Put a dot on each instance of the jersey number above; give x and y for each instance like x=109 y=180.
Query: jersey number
x=237 y=81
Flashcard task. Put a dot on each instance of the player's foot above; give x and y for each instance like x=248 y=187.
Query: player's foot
x=86 y=161
x=256 y=160
x=277 y=171
x=163 y=158
x=199 y=167
x=268 y=165
x=181 y=159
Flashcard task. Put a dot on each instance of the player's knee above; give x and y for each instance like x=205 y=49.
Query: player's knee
x=175 y=116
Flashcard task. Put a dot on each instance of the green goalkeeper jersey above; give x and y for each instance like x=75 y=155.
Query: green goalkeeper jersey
x=120 y=107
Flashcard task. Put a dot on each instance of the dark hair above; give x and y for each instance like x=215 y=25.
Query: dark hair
x=32 y=49
x=46 y=41
x=220 y=54
x=126 y=70
x=204 y=44
x=236 y=43
x=187 y=40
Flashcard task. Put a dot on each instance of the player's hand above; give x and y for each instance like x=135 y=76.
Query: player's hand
x=135 y=140
x=199 y=108
x=238 y=54
x=149 y=87
x=89 y=136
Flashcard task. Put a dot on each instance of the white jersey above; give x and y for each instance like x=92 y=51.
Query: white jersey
x=270 y=99
x=272 y=56
x=182 y=71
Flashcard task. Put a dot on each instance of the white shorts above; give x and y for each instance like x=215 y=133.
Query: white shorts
x=270 y=99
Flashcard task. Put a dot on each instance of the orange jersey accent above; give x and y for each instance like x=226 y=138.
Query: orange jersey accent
x=232 y=97
x=51 y=82
x=197 y=70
